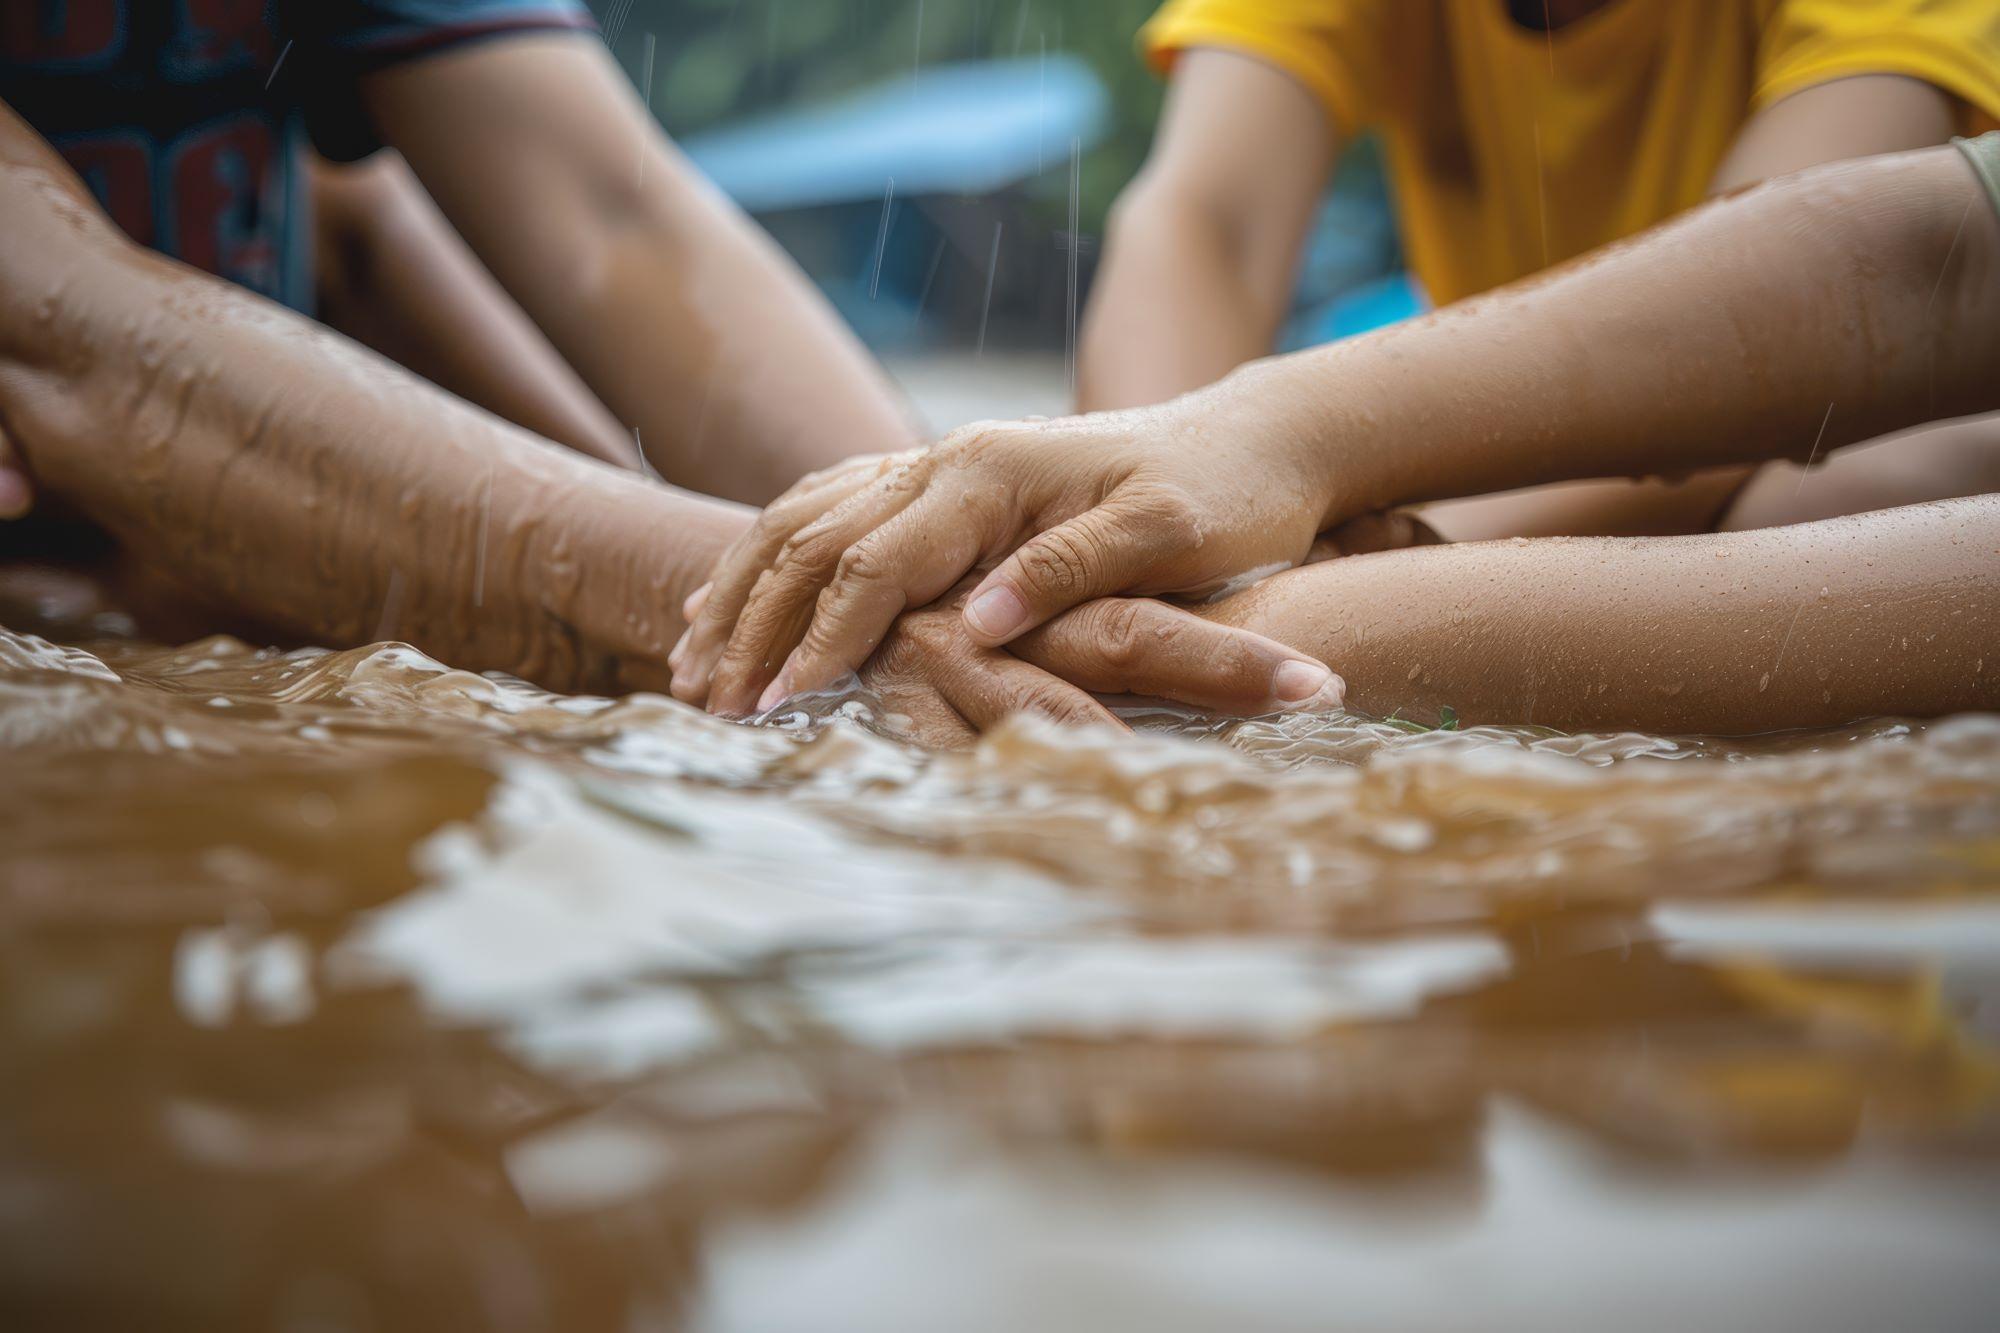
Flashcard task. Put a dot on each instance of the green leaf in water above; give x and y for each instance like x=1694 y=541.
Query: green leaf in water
x=1447 y=721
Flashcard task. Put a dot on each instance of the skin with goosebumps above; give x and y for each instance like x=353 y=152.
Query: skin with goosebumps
x=274 y=466
x=1870 y=287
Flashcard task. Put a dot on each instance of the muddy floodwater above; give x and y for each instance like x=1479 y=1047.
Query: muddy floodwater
x=344 y=991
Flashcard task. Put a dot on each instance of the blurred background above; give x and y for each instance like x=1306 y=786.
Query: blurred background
x=942 y=169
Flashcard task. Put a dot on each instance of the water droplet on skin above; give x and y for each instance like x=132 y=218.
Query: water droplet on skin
x=1415 y=671
x=1764 y=682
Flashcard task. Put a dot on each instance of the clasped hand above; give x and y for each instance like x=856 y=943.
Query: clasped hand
x=1068 y=518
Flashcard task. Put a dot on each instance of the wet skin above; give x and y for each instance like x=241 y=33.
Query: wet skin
x=1783 y=322
x=266 y=462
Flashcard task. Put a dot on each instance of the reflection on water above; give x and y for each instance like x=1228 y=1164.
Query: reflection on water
x=343 y=991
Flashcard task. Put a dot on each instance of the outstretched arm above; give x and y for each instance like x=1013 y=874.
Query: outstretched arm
x=1892 y=613
x=684 y=318
x=265 y=460
x=1823 y=308
x=271 y=464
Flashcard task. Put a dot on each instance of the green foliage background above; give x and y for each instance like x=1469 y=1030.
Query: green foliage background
x=717 y=61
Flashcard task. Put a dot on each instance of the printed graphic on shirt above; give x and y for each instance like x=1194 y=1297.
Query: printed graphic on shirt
x=187 y=118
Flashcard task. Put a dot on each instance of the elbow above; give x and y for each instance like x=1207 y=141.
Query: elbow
x=1155 y=206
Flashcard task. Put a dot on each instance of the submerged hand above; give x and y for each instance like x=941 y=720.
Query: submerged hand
x=951 y=688
x=1169 y=499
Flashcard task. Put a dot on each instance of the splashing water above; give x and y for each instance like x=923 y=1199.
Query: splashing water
x=344 y=986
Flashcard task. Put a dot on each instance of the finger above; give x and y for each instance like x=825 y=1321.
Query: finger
x=695 y=601
x=780 y=606
x=988 y=686
x=1096 y=554
x=917 y=713
x=1119 y=645
x=16 y=495
x=690 y=609
x=908 y=561
x=694 y=658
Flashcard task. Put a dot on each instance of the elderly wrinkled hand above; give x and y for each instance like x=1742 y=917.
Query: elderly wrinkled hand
x=1181 y=498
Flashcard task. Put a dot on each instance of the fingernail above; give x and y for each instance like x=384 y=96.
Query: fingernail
x=1299 y=682
x=996 y=613
x=775 y=693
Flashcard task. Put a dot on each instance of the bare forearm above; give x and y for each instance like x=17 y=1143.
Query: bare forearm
x=317 y=487
x=756 y=382
x=1172 y=309
x=1893 y=612
x=683 y=317
x=1816 y=311
x=396 y=277
x=1204 y=244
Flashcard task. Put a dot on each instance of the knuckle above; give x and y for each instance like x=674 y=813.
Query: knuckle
x=774 y=535
x=862 y=563
x=1051 y=701
x=970 y=443
x=809 y=553
x=897 y=655
x=1061 y=560
x=791 y=545
x=739 y=663
x=1165 y=514
x=1119 y=629
x=779 y=521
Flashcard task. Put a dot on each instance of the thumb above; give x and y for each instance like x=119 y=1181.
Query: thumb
x=1096 y=554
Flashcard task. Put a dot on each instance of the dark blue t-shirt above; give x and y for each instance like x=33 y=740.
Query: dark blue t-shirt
x=187 y=117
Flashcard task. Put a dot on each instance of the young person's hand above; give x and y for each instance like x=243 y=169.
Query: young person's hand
x=1180 y=498
x=950 y=689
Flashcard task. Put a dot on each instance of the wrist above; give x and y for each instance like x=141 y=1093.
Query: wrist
x=618 y=568
x=1320 y=421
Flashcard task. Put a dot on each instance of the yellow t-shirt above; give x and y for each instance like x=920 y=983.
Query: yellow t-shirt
x=1510 y=149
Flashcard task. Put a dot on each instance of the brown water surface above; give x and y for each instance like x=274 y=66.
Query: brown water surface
x=345 y=991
